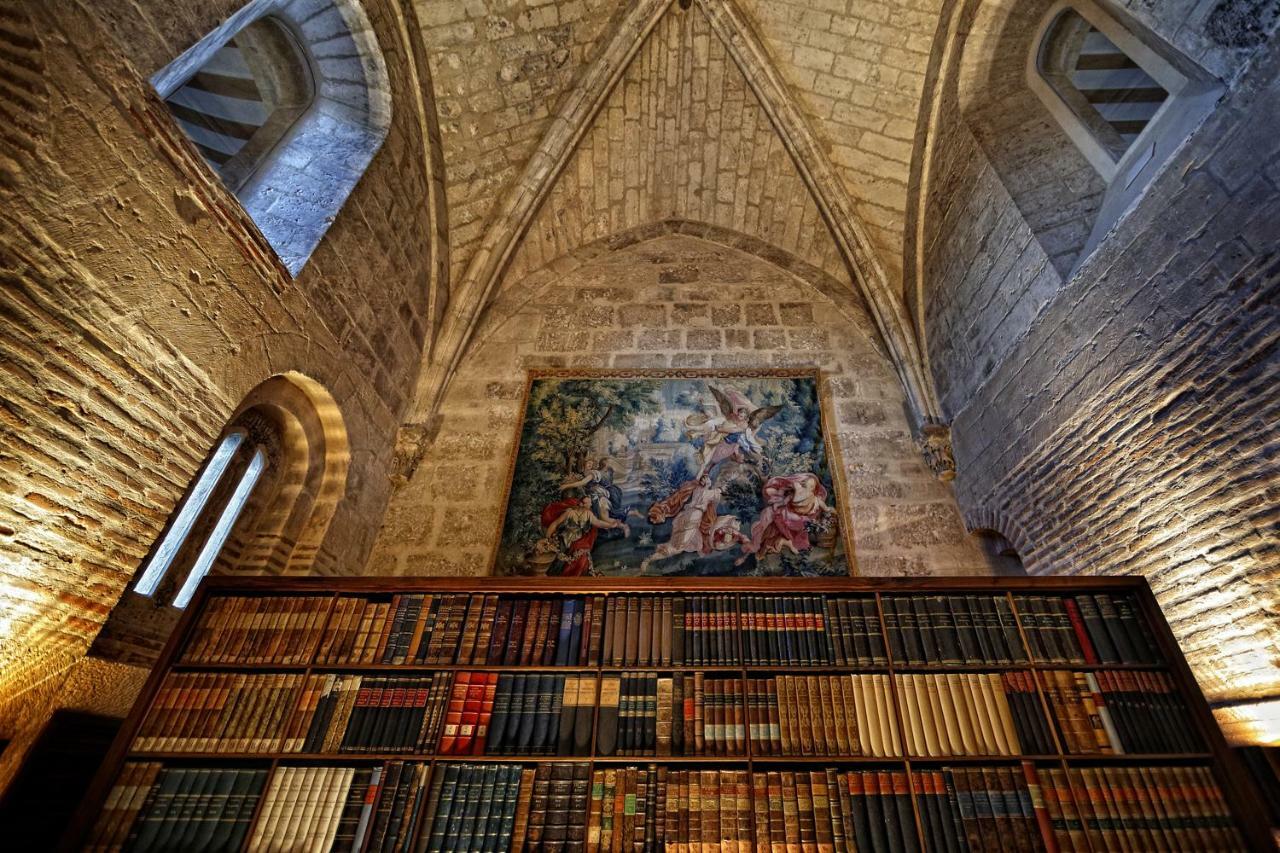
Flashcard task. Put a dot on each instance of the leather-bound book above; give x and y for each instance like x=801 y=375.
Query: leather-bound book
x=618 y=626
x=568 y=714
x=677 y=713
x=584 y=715
x=1115 y=629
x=546 y=719
x=515 y=635
x=592 y=631
x=737 y=718
x=1134 y=629
x=665 y=630
x=519 y=821
x=536 y=820
x=925 y=628
x=957 y=700
x=678 y=631
x=607 y=728
x=610 y=618
x=663 y=715
x=699 y=711
x=534 y=642
x=575 y=633
x=632 y=644
x=647 y=640
x=526 y=718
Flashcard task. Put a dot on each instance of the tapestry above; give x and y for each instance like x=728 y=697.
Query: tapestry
x=671 y=473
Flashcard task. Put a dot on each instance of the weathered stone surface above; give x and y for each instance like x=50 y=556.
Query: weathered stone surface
x=900 y=512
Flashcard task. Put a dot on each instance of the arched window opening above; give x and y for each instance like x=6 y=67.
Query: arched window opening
x=1002 y=557
x=1127 y=101
x=262 y=503
x=242 y=102
x=206 y=518
x=226 y=520
x=287 y=101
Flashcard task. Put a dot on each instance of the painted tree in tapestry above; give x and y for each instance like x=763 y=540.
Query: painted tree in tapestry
x=672 y=476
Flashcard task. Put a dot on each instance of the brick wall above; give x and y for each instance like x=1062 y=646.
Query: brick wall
x=672 y=301
x=141 y=306
x=1127 y=422
x=681 y=136
x=500 y=67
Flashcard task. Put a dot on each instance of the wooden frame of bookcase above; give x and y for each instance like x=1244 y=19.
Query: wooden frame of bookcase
x=1230 y=774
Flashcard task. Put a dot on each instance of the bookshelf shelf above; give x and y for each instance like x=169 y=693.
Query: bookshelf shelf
x=741 y=637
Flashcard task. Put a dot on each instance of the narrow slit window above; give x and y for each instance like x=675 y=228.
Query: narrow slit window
x=160 y=561
x=1114 y=96
x=226 y=521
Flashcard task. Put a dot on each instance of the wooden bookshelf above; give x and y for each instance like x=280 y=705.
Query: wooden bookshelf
x=1229 y=774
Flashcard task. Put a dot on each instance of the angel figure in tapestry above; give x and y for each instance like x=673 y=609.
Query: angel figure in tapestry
x=732 y=433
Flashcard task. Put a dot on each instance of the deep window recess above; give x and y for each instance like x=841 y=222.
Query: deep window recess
x=1126 y=100
x=1110 y=92
x=244 y=99
x=287 y=101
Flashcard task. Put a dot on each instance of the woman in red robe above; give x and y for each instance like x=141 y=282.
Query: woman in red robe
x=791 y=502
x=571 y=529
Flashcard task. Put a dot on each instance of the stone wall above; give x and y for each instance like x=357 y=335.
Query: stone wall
x=650 y=298
x=1125 y=421
x=141 y=305
x=681 y=136
x=500 y=68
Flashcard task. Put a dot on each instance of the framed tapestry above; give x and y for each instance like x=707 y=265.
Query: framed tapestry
x=673 y=472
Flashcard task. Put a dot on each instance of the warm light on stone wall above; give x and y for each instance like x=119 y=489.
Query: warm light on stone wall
x=1255 y=724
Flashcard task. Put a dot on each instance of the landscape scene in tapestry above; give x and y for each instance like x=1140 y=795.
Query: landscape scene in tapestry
x=647 y=476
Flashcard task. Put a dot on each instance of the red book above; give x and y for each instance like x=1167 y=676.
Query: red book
x=473 y=704
x=486 y=711
x=1077 y=625
x=1043 y=822
x=453 y=714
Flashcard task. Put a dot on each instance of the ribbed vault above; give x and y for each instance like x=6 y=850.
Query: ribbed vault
x=682 y=116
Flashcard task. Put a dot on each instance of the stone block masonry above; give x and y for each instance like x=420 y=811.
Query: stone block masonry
x=1134 y=427
x=659 y=300
x=141 y=305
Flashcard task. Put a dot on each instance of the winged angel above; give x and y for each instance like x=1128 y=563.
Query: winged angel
x=732 y=433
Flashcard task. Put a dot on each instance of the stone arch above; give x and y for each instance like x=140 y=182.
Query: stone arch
x=286 y=523
x=305 y=180
x=999 y=522
x=514 y=297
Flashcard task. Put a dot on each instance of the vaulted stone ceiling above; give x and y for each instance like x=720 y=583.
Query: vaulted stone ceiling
x=565 y=122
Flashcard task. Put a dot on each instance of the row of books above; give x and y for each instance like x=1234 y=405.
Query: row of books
x=279 y=629
x=360 y=713
x=518 y=714
x=1097 y=628
x=957 y=714
x=411 y=628
x=808 y=630
x=223 y=712
x=822 y=715
x=1119 y=712
x=151 y=807
x=534 y=631
x=683 y=714
x=952 y=629
x=657 y=808
x=323 y=809
x=1140 y=808
x=670 y=630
